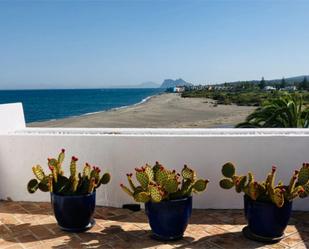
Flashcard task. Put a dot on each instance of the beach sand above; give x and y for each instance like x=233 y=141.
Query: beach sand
x=161 y=111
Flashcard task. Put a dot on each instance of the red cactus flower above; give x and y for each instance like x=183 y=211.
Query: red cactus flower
x=185 y=166
x=121 y=185
x=296 y=172
x=273 y=168
x=62 y=150
x=74 y=158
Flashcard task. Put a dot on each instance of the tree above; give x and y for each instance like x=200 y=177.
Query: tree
x=262 y=83
x=304 y=85
x=283 y=83
x=287 y=111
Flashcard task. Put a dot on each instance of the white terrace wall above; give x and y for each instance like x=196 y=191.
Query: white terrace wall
x=119 y=151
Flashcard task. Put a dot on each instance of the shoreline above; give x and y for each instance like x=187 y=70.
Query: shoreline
x=144 y=100
x=163 y=110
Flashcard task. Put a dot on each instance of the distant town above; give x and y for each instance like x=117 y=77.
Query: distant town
x=290 y=84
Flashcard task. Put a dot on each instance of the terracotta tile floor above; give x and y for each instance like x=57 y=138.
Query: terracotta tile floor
x=32 y=225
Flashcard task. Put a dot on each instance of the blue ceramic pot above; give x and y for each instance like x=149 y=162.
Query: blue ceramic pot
x=265 y=219
x=74 y=213
x=169 y=219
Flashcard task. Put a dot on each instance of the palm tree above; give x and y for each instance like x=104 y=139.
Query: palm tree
x=286 y=111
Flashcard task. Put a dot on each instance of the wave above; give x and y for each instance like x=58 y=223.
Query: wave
x=118 y=108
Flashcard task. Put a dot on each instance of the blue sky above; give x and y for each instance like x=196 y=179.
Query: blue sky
x=65 y=44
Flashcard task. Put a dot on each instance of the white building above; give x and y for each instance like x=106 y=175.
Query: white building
x=269 y=88
x=179 y=89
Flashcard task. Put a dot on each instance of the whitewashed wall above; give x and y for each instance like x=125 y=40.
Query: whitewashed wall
x=121 y=150
x=11 y=117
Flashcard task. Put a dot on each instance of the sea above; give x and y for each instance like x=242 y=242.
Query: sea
x=43 y=105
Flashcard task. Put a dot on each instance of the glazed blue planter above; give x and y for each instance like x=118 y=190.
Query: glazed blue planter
x=266 y=222
x=169 y=219
x=74 y=213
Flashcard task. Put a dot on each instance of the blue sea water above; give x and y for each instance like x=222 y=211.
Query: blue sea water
x=42 y=105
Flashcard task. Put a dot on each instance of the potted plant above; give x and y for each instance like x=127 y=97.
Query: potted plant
x=267 y=206
x=168 y=200
x=73 y=198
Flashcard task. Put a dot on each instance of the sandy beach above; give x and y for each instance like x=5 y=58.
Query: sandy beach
x=165 y=110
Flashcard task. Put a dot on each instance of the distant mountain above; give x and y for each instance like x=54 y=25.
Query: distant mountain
x=168 y=83
x=148 y=84
x=290 y=80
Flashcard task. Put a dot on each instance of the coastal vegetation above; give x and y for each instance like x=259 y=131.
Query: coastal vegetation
x=286 y=111
x=279 y=104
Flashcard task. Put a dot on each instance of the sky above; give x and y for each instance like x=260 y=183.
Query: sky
x=90 y=44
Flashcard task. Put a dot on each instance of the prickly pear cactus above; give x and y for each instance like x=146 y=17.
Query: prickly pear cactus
x=267 y=190
x=159 y=184
x=56 y=182
x=142 y=177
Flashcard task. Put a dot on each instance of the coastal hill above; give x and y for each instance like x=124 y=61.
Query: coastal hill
x=148 y=84
x=289 y=80
x=168 y=83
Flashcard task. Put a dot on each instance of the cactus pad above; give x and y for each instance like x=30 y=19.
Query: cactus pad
x=126 y=189
x=155 y=193
x=162 y=176
x=149 y=172
x=303 y=176
x=200 y=185
x=142 y=177
x=188 y=173
x=142 y=197
x=87 y=171
x=32 y=186
x=240 y=183
x=38 y=172
x=171 y=185
x=278 y=197
x=228 y=170
x=105 y=178
x=226 y=184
